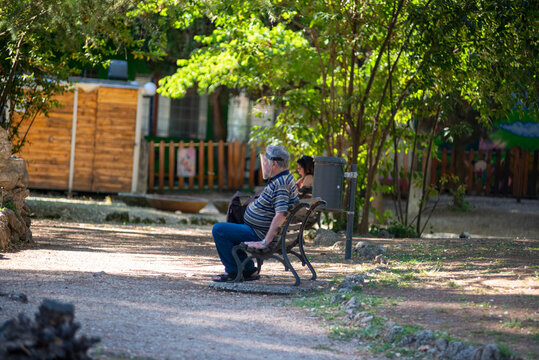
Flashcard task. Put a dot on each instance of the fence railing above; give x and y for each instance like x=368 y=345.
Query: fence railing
x=234 y=166
x=203 y=165
x=510 y=172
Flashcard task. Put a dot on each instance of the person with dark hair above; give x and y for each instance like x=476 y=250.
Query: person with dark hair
x=262 y=217
x=305 y=169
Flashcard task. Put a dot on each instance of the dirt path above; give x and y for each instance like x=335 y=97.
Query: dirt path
x=144 y=289
x=145 y=292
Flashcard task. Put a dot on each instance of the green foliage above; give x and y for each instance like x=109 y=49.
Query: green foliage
x=458 y=191
x=8 y=205
x=43 y=43
x=397 y=229
x=504 y=350
x=349 y=76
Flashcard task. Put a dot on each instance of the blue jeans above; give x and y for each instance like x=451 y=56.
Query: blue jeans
x=226 y=236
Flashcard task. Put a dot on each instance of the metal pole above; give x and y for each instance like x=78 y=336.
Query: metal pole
x=350 y=213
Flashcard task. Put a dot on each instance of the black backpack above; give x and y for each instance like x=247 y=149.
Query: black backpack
x=237 y=206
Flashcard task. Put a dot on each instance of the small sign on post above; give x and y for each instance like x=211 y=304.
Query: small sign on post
x=352 y=175
x=186 y=162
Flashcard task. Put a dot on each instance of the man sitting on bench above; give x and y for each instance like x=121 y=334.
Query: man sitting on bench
x=262 y=217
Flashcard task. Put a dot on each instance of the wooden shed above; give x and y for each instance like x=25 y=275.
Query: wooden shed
x=91 y=143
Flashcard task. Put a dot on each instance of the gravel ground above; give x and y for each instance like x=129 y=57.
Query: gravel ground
x=144 y=288
x=144 y=291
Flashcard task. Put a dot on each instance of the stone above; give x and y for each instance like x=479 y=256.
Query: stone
x=356 y=279
x=17 y=196
x=381 y=259
x=391 y=330
x=351 y=282
x=16 y=223
x=424 y=337
x=490 y=352
x=5 y=145
x=13 y=173
x=441 y=344
x=425 y=341
x=99 y=274
x=336 y=299
x=453 y=348
x=118 y=216
x=361 y=319
x=338 y=246
x=352 y=305
x=20 y=297
x=14 y=213
x=5 y=231
x=407 y=340
x=468 y=353
x=50 y=336
x=368 y=251
x=325 y=237
x=465 y=235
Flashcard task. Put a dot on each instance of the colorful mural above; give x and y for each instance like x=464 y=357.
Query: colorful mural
x=517 y=130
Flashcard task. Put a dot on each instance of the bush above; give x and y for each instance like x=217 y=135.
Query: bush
x=397 y=229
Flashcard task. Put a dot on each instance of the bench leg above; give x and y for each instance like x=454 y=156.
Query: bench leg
x=259 y=263
x=287 y=264
x=241 y=264
x=304 y=259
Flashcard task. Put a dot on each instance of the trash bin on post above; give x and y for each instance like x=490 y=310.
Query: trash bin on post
x=329 y=181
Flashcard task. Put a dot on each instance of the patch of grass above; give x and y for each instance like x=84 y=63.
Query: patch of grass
x=479 y=291
x=432 y=270
x=322 y=347
x=504 y=350
x=484 y=304
x=467 y=266
x=421 y=253
x=343 y=333
x=512 y=323
x=394 y=277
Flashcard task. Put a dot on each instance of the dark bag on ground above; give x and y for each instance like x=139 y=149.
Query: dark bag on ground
x=237 y=206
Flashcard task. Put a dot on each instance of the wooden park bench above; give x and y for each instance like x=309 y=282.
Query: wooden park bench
x=300 y=216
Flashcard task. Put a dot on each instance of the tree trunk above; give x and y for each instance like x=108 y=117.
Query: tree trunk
x=364 y=224
x=219 y=131
x=460 y=171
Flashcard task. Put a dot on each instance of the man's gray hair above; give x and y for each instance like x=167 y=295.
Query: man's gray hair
x=279 y=154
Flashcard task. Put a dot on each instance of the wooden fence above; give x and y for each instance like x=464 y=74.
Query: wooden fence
x=510 y=172
x=234 y=166
x=219 y=166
